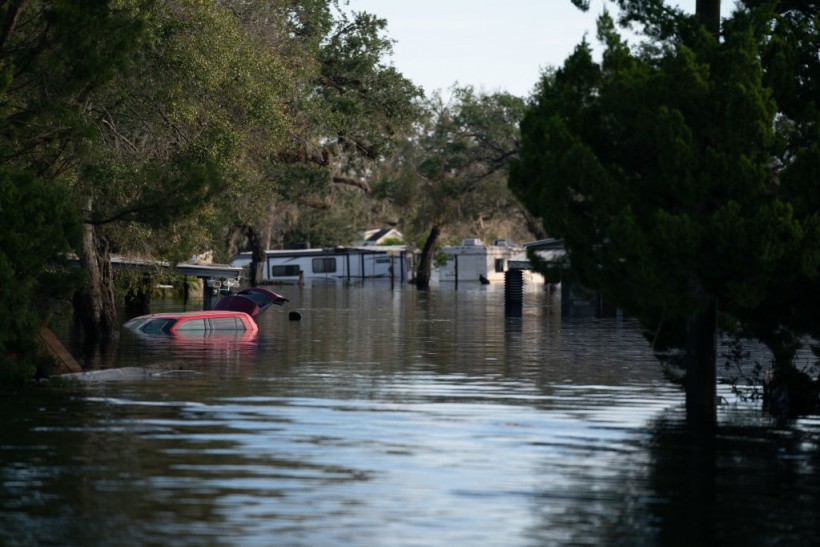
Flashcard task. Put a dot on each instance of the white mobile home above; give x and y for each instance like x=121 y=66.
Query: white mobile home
x=333 y=264
x=475 y=261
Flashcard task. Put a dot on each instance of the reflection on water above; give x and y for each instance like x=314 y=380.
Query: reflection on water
x=398 y=418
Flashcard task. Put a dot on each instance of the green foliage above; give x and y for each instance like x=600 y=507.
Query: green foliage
x=344 y=108
x=135 y=111
x=36 y=225
x=297 y=182
x=46 y=71
x=452 y=169
x=161 y=123
x=199 y=108
x=663 y=166
x=321 y=227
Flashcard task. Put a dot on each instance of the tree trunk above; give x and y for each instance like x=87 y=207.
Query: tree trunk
x=257 y=256
x=787 y=391
x=267 y=229
x=95 y=308
x=708 y=12
x=138 y=298
x=425 y=267
x=534 y=224
x=700 y=360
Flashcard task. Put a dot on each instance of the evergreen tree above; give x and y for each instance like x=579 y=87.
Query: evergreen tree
x=658 y=168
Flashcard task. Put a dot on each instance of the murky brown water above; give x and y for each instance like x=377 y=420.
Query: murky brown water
x=399 y=418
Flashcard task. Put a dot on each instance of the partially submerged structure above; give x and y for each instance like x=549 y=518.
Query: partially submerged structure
x=474 y=261
x=294 y=266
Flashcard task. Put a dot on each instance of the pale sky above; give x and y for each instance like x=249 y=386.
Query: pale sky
x=493 y=45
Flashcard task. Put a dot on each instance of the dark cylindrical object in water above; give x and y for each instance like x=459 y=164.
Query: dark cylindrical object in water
x=513 y=292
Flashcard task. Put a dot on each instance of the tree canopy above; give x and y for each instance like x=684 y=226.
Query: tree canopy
x=451 y=170
x=346 y=107
x=49 y=68
x=665 y=170
x=158 y=124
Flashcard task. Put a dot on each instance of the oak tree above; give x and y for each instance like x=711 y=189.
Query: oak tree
x=453 y=168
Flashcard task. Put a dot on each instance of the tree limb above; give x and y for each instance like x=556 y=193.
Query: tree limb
x=350 y=181
x=12 y=17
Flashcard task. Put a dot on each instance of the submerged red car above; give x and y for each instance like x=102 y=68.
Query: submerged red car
x=233 y=313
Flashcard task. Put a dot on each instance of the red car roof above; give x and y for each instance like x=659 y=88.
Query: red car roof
x=246 y=305
x=247 y=320
x=196 y=314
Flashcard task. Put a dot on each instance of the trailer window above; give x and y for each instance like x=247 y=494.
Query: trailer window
x=324 y=265
x=285 y=271
x=499 y=265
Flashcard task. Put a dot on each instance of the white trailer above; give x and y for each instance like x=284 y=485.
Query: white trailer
x=334 y=264
x=475 y=261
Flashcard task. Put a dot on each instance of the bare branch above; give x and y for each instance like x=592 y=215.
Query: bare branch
x=350 y=181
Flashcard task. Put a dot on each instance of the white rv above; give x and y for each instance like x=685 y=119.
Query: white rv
x=333 y=264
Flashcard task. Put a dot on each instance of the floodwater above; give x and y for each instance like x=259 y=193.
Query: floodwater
x=399 y=418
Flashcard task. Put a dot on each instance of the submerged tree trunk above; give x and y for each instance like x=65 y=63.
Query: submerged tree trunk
x=787 y=391
x=257 y=255
x=425 y=267
x=95 y=308
x=138 y=297
x=700 y=361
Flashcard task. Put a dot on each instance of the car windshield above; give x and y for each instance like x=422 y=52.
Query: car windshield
x=159 y=325
x=136 y=322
